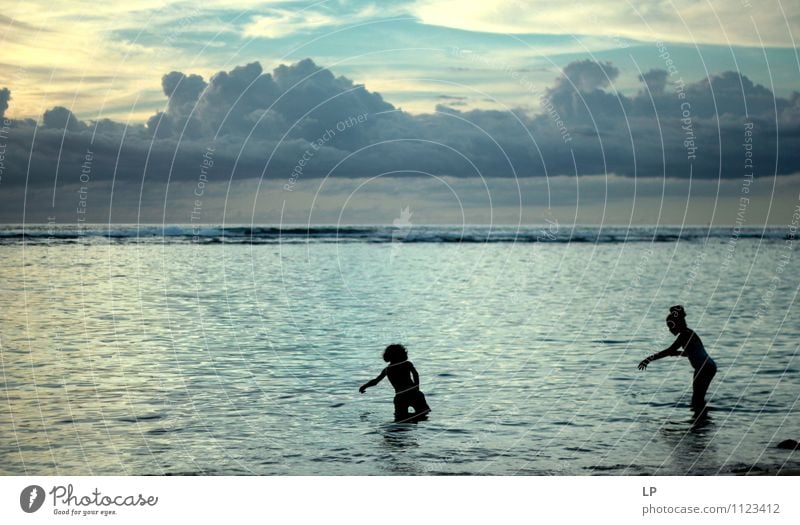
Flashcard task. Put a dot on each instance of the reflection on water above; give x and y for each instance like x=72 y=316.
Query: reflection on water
x=236 y=359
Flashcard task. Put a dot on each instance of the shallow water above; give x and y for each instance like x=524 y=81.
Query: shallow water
x=177 y=358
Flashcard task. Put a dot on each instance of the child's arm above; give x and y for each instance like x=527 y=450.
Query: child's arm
x=414 y=375
x=671 y=351
x=373 y=382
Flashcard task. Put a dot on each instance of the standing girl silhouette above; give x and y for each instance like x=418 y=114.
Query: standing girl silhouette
x=704 y=367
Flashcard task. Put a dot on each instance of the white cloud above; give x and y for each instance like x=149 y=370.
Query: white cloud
x=717 y=22
x=278 y=22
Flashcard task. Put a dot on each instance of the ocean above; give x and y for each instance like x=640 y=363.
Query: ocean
x=239 y=350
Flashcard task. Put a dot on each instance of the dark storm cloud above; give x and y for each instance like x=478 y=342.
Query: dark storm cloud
x=790 y=116
x=5 y=96
x=655 y=81
x=670 y=126
x=303 y=117
x=63 y=119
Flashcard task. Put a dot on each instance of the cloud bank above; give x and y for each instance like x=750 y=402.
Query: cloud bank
x=301 y=123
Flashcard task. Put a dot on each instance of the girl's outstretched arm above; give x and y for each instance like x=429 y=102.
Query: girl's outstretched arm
x=671 y=351
x=373 y=382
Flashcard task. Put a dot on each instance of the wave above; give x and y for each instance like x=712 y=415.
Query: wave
x=274 y=234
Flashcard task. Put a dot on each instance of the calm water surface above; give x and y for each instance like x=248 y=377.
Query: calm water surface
x=176 y=358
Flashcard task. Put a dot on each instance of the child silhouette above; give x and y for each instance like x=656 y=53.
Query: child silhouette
x=405 y=380
x=704 y=366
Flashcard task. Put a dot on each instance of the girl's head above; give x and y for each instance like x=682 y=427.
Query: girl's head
x=676 y=320
x=395 y=354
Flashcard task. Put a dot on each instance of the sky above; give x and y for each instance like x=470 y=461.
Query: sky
x=620 y=112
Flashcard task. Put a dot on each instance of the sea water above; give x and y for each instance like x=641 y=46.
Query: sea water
x=180 y=350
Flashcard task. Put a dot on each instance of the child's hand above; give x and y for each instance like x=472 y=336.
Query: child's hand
x=643 y=364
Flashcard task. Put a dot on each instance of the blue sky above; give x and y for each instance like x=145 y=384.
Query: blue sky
x=108 y=59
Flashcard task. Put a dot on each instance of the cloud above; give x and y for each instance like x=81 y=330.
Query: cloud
x=770 y=23
x=587 y=75
x=300 y=124
x=121 y=48
x=182 y=91
x=449 y=200
x=17 y=29
x=61 y=118
x=5 y=96
x=655 y=81
x=279 y=23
